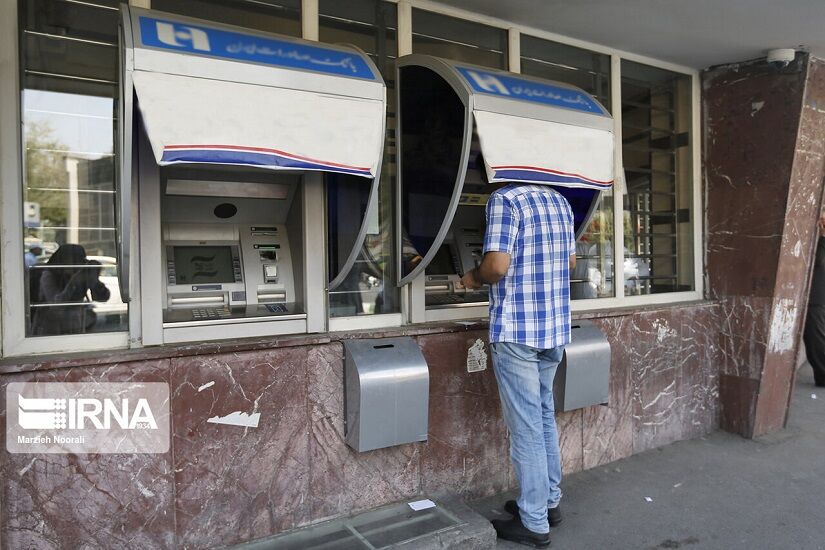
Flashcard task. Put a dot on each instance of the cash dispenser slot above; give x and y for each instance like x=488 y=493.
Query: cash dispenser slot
x=463 y=128
x=236 y=233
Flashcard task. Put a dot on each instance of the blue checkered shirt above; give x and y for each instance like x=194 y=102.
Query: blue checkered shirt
x=531 y=304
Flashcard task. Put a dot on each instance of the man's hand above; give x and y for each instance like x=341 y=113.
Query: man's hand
x=493 y=268
x=470 y=280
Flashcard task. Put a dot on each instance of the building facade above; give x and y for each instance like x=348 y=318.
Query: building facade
x=719 y=184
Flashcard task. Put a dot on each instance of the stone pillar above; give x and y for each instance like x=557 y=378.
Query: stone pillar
x=764 y=173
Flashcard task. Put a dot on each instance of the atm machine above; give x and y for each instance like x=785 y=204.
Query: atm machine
x=236 y=143
x=457 y=122
x=461 y=126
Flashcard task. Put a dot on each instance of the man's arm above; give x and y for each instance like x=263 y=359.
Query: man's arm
x=572 y=262
x=493 y=268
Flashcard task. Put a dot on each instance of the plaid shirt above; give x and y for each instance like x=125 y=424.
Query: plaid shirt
x=531 y=304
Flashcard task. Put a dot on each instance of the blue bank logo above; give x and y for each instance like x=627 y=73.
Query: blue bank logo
x=158 y=33
x=527 y=90
x=182 y=36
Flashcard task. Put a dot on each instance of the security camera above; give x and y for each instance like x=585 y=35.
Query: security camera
x=781 y=57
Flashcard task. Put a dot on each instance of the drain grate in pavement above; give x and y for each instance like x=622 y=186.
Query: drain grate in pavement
x=372 y=530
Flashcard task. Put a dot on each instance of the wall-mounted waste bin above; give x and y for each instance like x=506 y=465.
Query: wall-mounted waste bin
x=583 y=377
x=387 y=389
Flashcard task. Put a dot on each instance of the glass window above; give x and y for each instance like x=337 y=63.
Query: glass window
x=590 y=71
x=658 y=221
x=69 y=78
x=370 y=287
x=281 y=16
x=451 y=38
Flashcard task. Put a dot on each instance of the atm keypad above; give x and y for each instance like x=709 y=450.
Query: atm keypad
x=205 y=313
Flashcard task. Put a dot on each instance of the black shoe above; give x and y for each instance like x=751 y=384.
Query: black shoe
x=514 y=531
x=553 y=514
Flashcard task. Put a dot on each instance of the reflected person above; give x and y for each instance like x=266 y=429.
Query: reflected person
x=69 y=278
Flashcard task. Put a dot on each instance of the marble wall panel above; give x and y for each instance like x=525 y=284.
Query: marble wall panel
x=87 y=500
x=236 y=483
x=658 y=392
x=607 y=432
x=570 y=427
x=342 y=480
x=751 y=121
x=744 y=327
x=765 y=170
x=468 y=447
x=737 y=401
x=227 y=484
x=701 y=357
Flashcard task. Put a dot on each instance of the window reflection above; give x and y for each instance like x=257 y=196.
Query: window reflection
x=278 y=16
x=656 y=120
x=369 y=287
x=69 y=54
x=452 y=38
x=65 y=286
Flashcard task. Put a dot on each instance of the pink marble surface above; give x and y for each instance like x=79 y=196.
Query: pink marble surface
x=607 y=431
x=342 y=480
x=88 y=500
x=226 y=484
x=765 y=167
x=236 y=483
x=468 y=447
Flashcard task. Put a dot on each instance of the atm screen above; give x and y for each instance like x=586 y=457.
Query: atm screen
x=442 y=263
x=203 y=264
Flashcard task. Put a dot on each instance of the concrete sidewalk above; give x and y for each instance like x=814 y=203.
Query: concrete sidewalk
x=718 y=492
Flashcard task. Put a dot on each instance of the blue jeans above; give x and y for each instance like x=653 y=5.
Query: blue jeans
x=525 y=384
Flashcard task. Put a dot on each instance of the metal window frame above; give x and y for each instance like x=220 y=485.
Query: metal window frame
x=12 y=277
x=619 y=300
x=12 y=307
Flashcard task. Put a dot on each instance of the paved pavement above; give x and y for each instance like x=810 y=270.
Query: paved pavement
x=719 y=492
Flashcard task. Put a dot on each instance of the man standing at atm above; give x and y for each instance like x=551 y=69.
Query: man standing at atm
x=529 y=249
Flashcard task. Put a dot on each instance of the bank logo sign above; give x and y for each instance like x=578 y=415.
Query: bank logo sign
x=202 y=40
x=522 y=89
x=117 y=417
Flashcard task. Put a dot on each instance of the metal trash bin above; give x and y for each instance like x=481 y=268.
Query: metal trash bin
x=583 y=377
x=387 y=390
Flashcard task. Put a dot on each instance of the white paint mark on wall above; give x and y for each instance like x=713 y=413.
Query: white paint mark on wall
x=477 y=357
x=143 y=490
x=27 y=467
x=663 y=331
x=783 y=321
x=756 y=106
x=207 y=385
x=237 y=418
x=797 y=249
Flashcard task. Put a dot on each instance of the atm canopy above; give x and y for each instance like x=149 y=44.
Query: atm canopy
x=528 y=130
x=214 y=94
